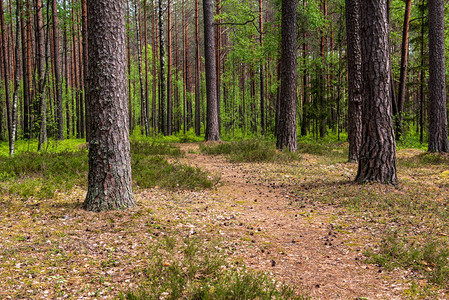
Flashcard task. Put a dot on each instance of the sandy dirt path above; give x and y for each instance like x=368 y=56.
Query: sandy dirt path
x=297 y=244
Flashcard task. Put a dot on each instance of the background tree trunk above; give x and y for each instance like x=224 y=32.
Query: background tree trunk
x=197 y=74
x=212 y=128
x=403 y=75
x=286 y=131
x=56 y=60
x=438 y=137
x=354 y=78
x=110 y=185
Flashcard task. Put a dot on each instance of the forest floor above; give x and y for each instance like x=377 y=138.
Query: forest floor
x=305 y=223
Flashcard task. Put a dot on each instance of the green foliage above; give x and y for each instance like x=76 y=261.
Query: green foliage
x=431 y=257
x=40 y=175
x=194 y=269
x=151 y=171
x=251 y=150
x=64 y=165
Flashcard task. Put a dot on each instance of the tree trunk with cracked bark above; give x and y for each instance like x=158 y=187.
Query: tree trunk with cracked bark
x=377 y=159
x=438 y=136
x=110 y=185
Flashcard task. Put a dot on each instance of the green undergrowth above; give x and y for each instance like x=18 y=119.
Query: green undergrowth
x=198 y=269
x=52 y=146
x=251 y=150
x=41 y=175
x=429 y=257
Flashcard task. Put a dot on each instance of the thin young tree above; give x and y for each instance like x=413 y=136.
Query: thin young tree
x=197 y=73
x=377 y=159
x=212 y=127
x=438 y=136
x=41 y=71
x=56 y=60
x=6 y=76
x=286 y=132
x=403 y=72
x=162 y=101
x=109 y=179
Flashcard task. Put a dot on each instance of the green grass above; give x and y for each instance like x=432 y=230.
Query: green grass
x=197 y=269
x=252 y=150
x=41 y=175
x=429 y=257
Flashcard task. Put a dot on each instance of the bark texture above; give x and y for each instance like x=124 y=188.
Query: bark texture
x=109 y=185
x=438 y=138
x=354 y=78
x=377 y=160
x=286 y=131
x=212 y=129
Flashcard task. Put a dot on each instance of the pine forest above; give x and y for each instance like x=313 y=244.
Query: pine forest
x=224 y=149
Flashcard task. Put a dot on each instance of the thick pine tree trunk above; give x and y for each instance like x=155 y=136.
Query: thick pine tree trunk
x=212 y=128
x=438 y=137
x=110 y=185
x=377 y=160
x=354 y=78
x=286 y=125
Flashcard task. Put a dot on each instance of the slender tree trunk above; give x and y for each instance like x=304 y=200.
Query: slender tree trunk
x=422 y=79
x=110 y=185
x=154 y=106
x=197 y=74
x=143 y=114
x=354 y=78
x=40 y=46
x=6 y=76
x=163 y=114
x=85 y=64
x=377 y=159
x=218 y=62
x=57 y=70
x=25 y=75
x=16 y=79
x=438 y=136
x=403 y=74
x=147 y=106
x=286 y=131
x=184 y=66
x=262 y=73
x=169 y=72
